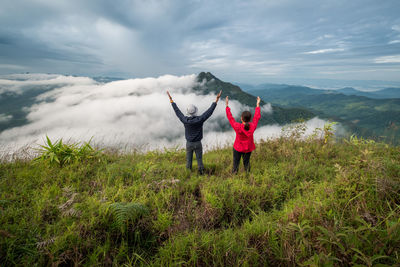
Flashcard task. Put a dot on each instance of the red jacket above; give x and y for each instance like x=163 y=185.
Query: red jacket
x=244 y=141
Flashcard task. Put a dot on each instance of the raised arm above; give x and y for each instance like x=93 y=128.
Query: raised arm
x=218 y=96
x=170 y=98
x=178 y=112
x=211 y=109
x=231 y=120
x=208 y=112
x=257 y=113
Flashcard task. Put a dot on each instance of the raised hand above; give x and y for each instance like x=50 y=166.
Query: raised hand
x=170 y=98
x=218 y=96
x=258 y=101
x=227 y=100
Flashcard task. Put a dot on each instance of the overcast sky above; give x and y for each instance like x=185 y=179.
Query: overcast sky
x=240 y=41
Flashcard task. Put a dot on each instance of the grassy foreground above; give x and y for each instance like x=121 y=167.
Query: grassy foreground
x=304 y=203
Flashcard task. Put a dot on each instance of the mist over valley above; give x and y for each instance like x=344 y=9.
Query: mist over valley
x=126 y=113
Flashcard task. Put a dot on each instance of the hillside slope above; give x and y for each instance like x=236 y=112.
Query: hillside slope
x=372 y=118
x=304 y=202
x=385 y=93
x=278 y=116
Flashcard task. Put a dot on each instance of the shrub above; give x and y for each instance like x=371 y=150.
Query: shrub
x=61 y=153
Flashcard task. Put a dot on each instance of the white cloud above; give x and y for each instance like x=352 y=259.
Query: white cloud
x=18 y=82
x=133 y=113
x=5 y=118
x=267 y=108
x=149 y=38
x=394 y=42
x=325 y=36
x=11 y=67
x=218 y=56
x=323 y=51
x=396 y=28
x=388 y=59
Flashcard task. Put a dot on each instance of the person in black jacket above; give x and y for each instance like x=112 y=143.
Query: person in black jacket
x=194 y=131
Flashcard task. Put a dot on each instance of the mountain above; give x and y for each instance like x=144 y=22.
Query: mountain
x=348 y=91
x=385 y=93
x=388 y=93
x=352 y=91
x=365 y=116
x=280 y=115
x=380 y=94
x=247 y=87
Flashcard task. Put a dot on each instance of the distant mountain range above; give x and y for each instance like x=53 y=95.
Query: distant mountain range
x=379 y=94
x=369 y=114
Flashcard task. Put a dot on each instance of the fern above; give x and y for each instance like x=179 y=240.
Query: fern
x=126 y=213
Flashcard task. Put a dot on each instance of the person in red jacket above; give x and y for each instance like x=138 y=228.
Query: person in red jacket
x=244 y=141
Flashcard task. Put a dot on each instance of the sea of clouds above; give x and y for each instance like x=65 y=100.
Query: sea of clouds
x=125 y=114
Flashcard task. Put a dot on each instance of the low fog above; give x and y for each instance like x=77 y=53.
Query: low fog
x=126 y=114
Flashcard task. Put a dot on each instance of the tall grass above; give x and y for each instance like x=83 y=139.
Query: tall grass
x=305 y=202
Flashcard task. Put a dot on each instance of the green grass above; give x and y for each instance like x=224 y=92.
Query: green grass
x=304 y=203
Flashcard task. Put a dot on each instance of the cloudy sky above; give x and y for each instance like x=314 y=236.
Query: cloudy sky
x=239 y=41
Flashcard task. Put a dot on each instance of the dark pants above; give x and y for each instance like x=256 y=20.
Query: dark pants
x=197 y=148
x=236 y=160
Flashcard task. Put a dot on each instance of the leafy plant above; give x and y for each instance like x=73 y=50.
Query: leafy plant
x=358 y=141
x=329 y=131
x=61 y=153
x=325 y=134
x=126 y=213
x=294 y=131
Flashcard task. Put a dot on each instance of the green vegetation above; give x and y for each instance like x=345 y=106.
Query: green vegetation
x=61 y=153
x=305 y=202
x=378 y=119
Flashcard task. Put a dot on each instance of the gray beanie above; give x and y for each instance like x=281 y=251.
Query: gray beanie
x=191 y=110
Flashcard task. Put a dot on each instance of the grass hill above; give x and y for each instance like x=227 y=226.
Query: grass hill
x=305 y=202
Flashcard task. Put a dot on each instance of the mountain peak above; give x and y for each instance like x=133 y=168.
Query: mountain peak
x=208 y=83
x=208 y=76
x=348 y=90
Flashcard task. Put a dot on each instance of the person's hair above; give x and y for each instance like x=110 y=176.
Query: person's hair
x=246 y=117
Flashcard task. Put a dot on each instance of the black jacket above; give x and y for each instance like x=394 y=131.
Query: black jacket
x=194 y=125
